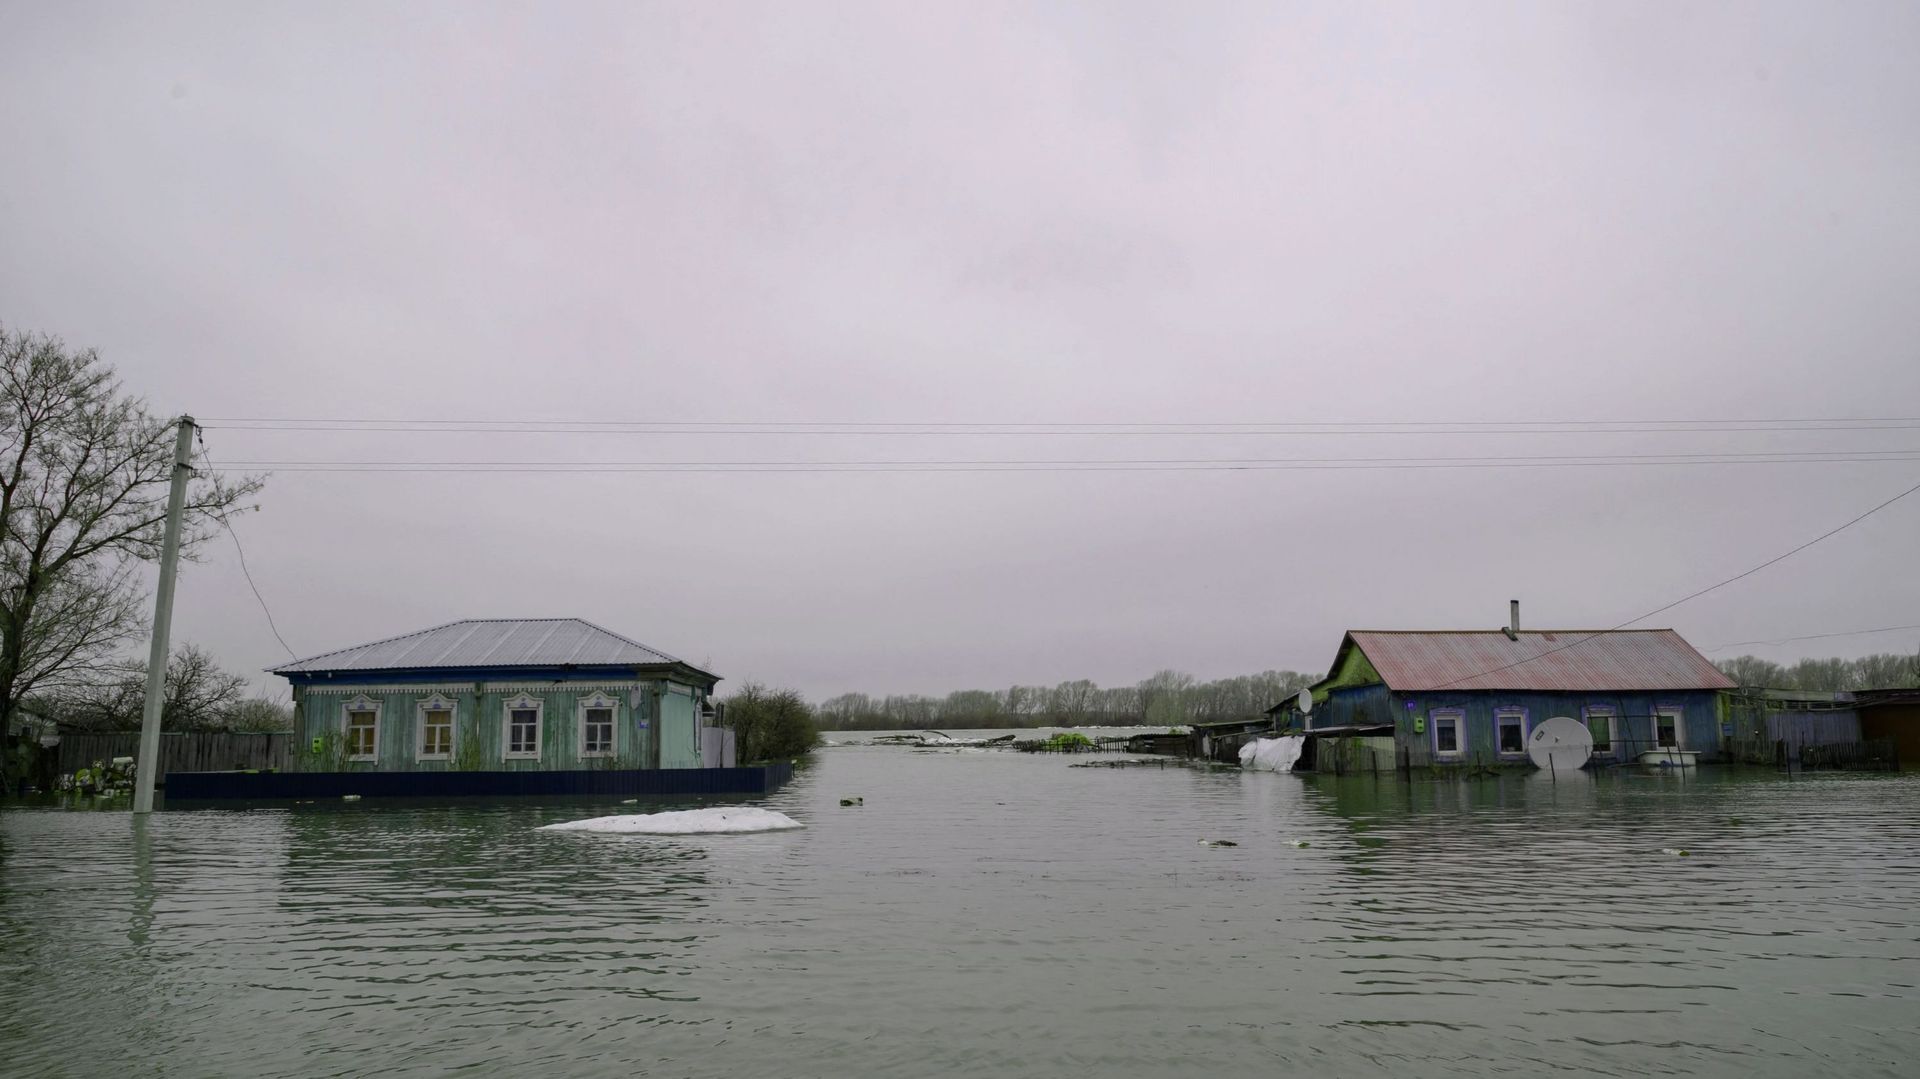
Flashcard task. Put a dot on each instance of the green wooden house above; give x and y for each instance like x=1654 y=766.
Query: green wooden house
x=499 y=695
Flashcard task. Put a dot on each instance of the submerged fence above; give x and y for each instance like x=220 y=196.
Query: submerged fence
x=1863 y=755
x=206 y=751
x=1872 y=755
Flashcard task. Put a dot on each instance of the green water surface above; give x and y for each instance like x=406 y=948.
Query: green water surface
x=988 y=914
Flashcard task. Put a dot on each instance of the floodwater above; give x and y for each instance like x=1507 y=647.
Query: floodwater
x=988 y=914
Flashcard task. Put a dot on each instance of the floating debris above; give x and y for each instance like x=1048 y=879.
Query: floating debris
x=1218 y=843
x=1298 y=843
x=1064 y=742
x=349 y=797
x=855 y=801
x=1677 y=852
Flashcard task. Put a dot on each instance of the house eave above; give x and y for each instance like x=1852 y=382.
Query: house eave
x=569 y=672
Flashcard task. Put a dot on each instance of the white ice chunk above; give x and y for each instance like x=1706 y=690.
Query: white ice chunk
x=1276 y=754
x=728 y=821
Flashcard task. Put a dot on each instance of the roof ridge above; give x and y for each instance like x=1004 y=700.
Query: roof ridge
x=629 y=640
x=1570 y=660
x=433 y=645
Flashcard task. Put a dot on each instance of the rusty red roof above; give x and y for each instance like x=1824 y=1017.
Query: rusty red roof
x=1564 y=661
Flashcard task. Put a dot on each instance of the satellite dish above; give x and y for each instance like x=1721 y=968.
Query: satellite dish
x=1306 y=701
x=1560 y=745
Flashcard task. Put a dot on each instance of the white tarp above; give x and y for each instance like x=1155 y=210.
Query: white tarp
x=1273 y=754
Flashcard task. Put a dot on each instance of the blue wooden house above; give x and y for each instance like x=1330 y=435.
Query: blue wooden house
x=525 y=694
x=1472 y=698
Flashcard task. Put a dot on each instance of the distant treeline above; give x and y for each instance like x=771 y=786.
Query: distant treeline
x=1168 y=698
x=1174 y=698
x=1885 y=670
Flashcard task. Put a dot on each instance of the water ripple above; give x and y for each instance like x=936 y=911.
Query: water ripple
x=988 y=914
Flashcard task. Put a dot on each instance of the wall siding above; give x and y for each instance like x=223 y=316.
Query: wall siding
x=1700 y=715
x=480 y=726
x=679 y=731
x=1353 y=669
x=1347 y=756
x=1352 y=706
x=1813 y=728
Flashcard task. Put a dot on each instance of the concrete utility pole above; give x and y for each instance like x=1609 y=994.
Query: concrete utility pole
x=148 y=764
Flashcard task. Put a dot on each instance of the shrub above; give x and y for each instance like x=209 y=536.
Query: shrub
x=770 y=723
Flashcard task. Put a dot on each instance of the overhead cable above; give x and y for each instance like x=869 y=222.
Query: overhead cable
x=1689 y=596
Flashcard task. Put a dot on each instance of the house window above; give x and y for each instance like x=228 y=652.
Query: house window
x=522 y=717
x=435 y=735
x=1449 y=732
x=596 y=725
x=1667 y=731
x=1600 y=722
x=1510 y=730
x=362 y=729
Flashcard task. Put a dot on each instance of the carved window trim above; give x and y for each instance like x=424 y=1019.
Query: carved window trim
x=519 y=703
x=437 y=703
x=363 y=704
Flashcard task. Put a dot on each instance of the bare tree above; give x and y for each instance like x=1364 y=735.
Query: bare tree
x=1164 y=697
x=1884 y=670
x=258 y=715
x=200 y=696
x=84 y=472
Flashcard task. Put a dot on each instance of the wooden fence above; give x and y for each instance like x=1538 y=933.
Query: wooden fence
x=200 y=752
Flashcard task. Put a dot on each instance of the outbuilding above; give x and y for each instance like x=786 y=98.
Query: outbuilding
x=1892 y=717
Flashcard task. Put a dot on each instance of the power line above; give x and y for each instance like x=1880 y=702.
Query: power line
x=902 y=467
x=1846 y=421
x=509 y=427
x=1691 y=595
x=242 y=552
x=1906 y=453
x=1813 y=637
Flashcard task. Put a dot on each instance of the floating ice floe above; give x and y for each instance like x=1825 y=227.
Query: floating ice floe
x=729 y=821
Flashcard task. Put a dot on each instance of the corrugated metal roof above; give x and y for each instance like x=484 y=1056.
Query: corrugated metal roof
x=490 y=642
x=1574 y=661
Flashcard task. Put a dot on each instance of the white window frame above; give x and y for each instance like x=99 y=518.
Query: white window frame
x=1589 y=713
x=508 y=707
x=1456 y=716
x=436 y=703
x=1500 y=715
x=1679 y=726
x=360 y=703
x=588 y=704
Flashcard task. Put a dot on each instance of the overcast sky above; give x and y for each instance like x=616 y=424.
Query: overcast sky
x=1041 y=213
